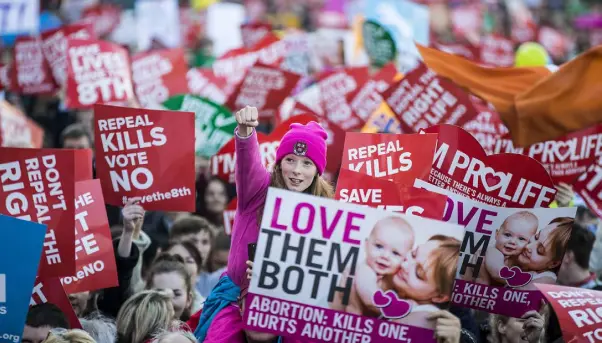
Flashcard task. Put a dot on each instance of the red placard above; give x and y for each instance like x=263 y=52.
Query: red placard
x=565 y=158
x=487 y=127
x=158 y=75
x=229 y=215
x=334 y=88
x=235 y=63
x=98 y=72
x=368 y=98
x=422 y=99
x=497 y=51
x=589 y=187
x=32 y=72
x=577 y=310
x=104 y=18
x=145 y=154
x=94 y=256
x=224 y=161
x=50 y=290
x=83 y=161
x=362 y=189
x=37 y=185
x=263 y=87
x=204 y=83
x=506 y=180
x=400 y=158
x=17 y=130
x=54 y=46
x=467 y=50
x=252 y=33
x=335 y=144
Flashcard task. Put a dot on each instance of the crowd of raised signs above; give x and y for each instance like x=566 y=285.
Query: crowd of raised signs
x=301 y=171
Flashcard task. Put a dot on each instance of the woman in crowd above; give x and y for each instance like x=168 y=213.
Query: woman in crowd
x=68 y=336
x=543 y=254
x=169 y=273
x=529 y=328
x=145 y=315
x=193 y=262
x=300 y=162
x=212 y=201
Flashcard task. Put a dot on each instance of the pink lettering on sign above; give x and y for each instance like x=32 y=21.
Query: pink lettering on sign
x=422 y=99
x=304 y=221
x=507 y=180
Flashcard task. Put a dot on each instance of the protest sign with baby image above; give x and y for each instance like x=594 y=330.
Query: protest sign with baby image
x=505 y=252
x=328 y=270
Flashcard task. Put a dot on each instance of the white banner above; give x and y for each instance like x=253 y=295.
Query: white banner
x=157 y=20
x=19 y=16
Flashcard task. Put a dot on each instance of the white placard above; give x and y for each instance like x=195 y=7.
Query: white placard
x=160 y=20
x=19 y=16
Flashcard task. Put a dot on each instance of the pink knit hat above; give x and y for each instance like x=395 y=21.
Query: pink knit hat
x=305 y=140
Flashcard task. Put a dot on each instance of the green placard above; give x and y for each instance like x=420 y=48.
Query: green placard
x=379 y=43
x=214 y=123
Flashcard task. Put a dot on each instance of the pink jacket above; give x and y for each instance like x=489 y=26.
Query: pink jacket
x=252 y=182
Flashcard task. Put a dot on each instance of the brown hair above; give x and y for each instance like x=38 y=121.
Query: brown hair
x=560 y=236
x=190 y=225
x=172 y=264
x=445 y=262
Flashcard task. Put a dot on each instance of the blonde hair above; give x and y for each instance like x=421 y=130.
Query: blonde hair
x=445 y=262
x=164 y=334
x=69 y=336
x=143 y=315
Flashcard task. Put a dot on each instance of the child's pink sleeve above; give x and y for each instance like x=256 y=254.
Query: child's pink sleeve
x=252 y=178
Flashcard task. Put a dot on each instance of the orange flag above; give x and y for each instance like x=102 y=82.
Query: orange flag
x=534 y=103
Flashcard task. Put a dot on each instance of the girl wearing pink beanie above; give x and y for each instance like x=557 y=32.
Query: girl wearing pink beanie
x=300 y=162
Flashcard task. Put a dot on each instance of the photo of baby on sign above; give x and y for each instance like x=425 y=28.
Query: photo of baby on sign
x=333 y=271
x=402 y=263
x=505 y=252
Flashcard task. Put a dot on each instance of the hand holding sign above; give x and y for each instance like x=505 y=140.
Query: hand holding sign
x=534 y=323
x=448 y=327
x=133 y=215
x=247 y=119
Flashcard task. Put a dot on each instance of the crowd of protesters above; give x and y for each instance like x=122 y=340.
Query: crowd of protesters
x=171 y=265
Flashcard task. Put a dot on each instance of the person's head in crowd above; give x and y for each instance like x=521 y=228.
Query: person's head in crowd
x=529 y=328
x=76 y=136
x=189 y=253
x=196 y=230
x=301 y=159
x=40 y=320
x=79 y=302
x=545 y=249
x=428 y=271
x=179 y=336
x=575 y=264
x=102 y=329
x=69 y=336
x=169 y=273
x=220 y=252
x=587 y=219
x=213 y=199
x=144 y=315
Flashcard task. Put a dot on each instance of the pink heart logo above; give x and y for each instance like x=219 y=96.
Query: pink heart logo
x=515 y=277
x=390 y=305
x=506 y=273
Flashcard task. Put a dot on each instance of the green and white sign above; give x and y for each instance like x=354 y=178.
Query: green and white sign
x=379 y=43
x=214 y=123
